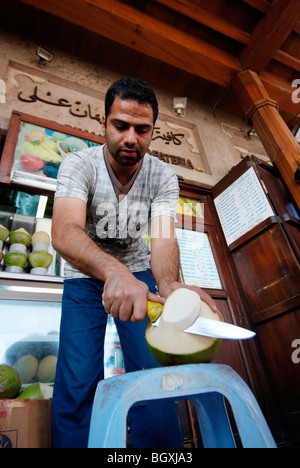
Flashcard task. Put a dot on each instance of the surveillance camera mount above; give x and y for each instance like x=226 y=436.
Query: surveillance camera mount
x=44 y=56
x=179 y=106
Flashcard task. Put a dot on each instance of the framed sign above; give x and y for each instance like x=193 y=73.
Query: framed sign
x=242 y=206
x=35 y=148
x=197 y=259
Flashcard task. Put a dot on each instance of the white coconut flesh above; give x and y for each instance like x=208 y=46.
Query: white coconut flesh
x=181 y=310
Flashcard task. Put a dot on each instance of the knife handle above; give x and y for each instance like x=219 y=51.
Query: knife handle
x=154 y=311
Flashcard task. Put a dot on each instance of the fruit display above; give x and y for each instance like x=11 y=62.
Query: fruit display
x=41 y=153
x=43 y=149
x=11 y=386
x=168 y=342
x=25 y=251
x=34 y=357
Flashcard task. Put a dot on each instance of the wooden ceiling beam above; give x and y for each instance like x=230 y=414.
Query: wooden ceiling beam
x=270 y=34
x=275 y=135
x=287 y=59
x=281 y=91
x=260 y=5
x=139 y=31
x=206 y=18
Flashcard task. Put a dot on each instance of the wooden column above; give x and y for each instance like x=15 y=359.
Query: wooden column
x=280 y=144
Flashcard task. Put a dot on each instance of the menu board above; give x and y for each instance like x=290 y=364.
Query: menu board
x=197 y=261
x=242 y=206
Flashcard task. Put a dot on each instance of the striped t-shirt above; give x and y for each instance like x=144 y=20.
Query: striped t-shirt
x=118 y=227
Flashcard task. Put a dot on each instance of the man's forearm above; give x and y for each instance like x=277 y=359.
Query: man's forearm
x=83 y=253
x=165 y=264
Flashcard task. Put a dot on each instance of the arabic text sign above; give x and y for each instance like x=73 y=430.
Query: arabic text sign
x=81 y=110
x=76 y=108
x=242 y=206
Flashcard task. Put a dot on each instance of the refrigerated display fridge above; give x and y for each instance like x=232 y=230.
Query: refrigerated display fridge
x=30 y=305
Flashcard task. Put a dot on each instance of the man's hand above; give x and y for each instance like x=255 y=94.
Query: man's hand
x=203 y=295
x=125 y=297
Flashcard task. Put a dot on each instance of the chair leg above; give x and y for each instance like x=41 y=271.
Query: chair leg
x=108 y=428
x=213 y=421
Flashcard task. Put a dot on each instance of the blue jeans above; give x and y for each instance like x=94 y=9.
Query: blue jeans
x=80 y=367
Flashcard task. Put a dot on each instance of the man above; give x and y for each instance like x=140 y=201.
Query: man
x=104 y=200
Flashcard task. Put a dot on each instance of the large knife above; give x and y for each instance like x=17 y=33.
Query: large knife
x=215 y=329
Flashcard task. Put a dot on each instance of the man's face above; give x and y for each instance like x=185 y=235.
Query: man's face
x=128 y=131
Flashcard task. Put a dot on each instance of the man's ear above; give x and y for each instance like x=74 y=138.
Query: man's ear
x=103 y=123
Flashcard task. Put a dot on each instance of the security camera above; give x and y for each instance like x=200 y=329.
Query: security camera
x=45 y=55
x=179 y=106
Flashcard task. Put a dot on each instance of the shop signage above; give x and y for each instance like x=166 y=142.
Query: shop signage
x=29 y=91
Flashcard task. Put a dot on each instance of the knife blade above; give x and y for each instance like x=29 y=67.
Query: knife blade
x=207 y=327
x=212 y=328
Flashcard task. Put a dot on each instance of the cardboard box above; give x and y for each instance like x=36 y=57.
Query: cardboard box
x=25 y=424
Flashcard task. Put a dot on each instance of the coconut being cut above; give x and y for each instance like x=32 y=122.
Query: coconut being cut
x=169 y=344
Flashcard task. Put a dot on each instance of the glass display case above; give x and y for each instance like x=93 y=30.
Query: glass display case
x=29 y=336
x=30 y=300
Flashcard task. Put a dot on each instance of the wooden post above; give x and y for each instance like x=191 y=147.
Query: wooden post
x=278 y=140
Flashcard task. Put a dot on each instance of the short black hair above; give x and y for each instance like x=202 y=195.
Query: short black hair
x=131 y=89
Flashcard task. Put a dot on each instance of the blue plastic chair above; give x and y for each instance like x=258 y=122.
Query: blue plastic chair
x=205 y=385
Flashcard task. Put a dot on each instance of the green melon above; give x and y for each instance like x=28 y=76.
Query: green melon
x=10 y=382
x=168 y=342
x=47 y=369
x=27 y=367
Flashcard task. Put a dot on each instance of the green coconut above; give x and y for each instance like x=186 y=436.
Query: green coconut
x=27 y=367
x=40 y=237
x=20 y=236
x=1 y=255
x=40 y=259
x=36 y=391
x=10 y=382
x=168 y=342
x=15 y=259
x=4 y=233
